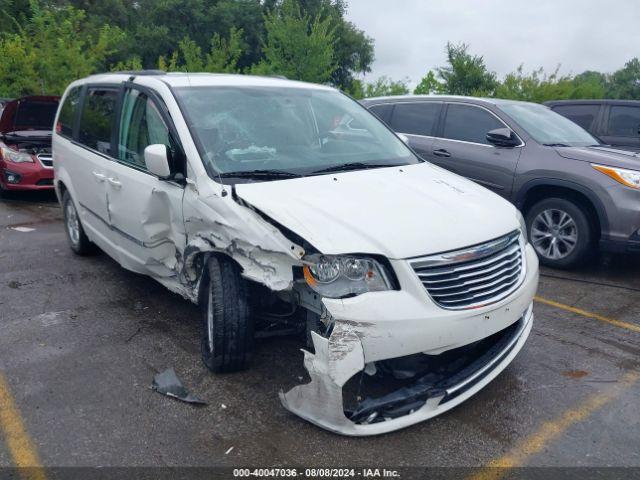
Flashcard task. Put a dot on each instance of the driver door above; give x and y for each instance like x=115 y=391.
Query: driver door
x=462 y=147
x=145 y=211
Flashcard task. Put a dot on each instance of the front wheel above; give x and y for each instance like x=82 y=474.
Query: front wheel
x=560 y=231
x=228 y=330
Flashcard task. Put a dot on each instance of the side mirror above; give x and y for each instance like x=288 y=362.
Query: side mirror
x=403 y=137
x=503 y=137
x=157 y=160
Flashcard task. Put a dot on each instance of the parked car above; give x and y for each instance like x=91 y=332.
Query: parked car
x=614 y=122
x=267 y=199
x=575 y=193
x=25 y=143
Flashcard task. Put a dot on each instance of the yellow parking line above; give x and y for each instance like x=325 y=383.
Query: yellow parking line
x=16 y=438
x=595 y=316
x=551 y=430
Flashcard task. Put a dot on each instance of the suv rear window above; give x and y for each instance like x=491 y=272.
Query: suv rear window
x=469 y=124
x=583 y=115
x=415 y=118
x=624 y=121
x=96 y=124
x=68 y=112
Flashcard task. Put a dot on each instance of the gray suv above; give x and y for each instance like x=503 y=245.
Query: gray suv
x=575 y=193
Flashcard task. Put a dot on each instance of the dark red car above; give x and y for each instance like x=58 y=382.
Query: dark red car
x=25 y=143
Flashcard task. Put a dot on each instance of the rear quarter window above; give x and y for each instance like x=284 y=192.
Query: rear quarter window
x=624 y=121
x=68 y=112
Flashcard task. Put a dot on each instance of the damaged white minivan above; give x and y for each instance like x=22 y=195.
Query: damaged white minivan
x=282 y=206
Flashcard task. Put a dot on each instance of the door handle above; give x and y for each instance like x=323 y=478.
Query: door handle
x=115 y=183
x=99 y=176
x=441 y=152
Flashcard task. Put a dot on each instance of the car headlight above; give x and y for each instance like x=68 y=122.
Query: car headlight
x=630 y=178
x=523 y=225
x=15 y=156
x=340 y=276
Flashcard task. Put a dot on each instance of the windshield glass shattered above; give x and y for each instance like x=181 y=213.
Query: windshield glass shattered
x=547 y=127
x=286 y=132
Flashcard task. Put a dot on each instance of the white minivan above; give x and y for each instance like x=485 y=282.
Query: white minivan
x=281 y=207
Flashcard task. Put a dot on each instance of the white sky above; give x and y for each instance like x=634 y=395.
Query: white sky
x=410 y=35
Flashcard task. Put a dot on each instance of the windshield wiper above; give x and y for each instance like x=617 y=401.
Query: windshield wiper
x=260 y=174
x=345 y=167
x=556 y=145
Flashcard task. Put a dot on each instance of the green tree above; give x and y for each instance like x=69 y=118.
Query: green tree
x=625 y=83
x=52 y=48
x=297 y=45
x=465 y=74
x=385 y=86
x=428 y=85
x=222 y=57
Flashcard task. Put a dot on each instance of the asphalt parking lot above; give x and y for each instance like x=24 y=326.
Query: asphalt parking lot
x=81 y=340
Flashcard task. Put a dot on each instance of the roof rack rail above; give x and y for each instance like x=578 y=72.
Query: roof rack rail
x=139 y=73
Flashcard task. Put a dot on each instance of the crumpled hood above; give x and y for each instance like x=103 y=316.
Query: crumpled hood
x=602 y=155
x=398 y=212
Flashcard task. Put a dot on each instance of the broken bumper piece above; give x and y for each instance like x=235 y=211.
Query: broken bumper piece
x=340 y=357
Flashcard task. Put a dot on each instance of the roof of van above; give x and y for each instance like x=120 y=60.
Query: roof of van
x=180 y=79
x=441 y=98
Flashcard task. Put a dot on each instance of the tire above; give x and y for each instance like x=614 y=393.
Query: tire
x=561 y=232
x=228 y=329
x=78 y=240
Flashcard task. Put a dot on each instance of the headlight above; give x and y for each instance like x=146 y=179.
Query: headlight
x=523 y=225
x=630 y=178
x=16 y=157
x=339 y=276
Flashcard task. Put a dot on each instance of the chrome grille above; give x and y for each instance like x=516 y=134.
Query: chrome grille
x=475 y=276
x=46 y=159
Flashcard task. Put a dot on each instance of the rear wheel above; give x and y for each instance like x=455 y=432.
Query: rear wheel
x=78 y=241
x=228 y=329
x=560 y=231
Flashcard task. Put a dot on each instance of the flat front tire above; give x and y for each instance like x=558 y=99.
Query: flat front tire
x=228 y=330
x=78 y=240
x=560 y=231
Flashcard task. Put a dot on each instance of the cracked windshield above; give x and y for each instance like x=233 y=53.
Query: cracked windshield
x=250 y=132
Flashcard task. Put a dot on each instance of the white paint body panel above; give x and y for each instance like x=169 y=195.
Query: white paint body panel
x=398 y=212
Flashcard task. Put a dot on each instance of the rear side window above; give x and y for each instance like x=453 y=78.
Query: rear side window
x=415 y=118
x=383 y=112
x=469 y=124
x=583 y=115
x=97 y=120
x=68 y=112
x=624 y=121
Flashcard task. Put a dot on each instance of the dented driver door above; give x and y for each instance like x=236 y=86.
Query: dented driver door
x=145 y=211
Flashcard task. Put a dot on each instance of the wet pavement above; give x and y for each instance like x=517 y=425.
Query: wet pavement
x=81 y=340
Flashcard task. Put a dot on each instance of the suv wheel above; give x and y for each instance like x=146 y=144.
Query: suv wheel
x=560 y=232
x=80 y=244
x=227 y=338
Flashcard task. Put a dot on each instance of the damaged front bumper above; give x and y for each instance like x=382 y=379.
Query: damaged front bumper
x=357 y=345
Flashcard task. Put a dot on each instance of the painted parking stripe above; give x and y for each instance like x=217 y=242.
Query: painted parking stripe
x=15 y=436
x=595 y=316
x=551 y=430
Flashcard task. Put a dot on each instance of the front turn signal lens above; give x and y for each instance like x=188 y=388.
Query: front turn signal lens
x=629 y=178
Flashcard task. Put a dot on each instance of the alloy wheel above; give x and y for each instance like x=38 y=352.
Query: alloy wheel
x=554 y=234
